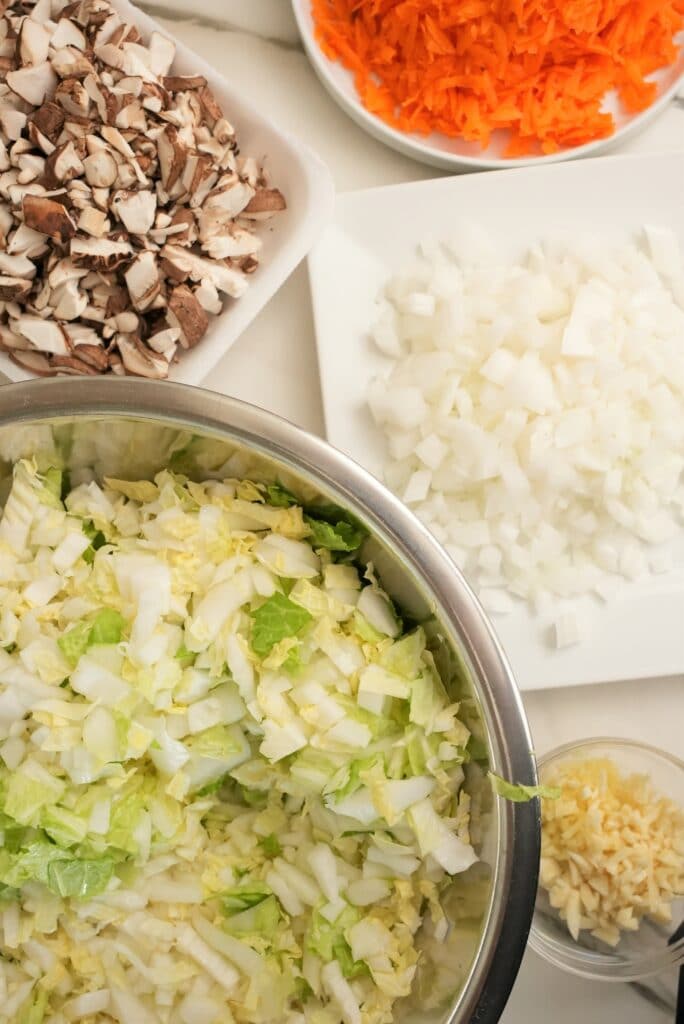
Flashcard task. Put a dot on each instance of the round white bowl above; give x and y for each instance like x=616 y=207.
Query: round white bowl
x=456 y=154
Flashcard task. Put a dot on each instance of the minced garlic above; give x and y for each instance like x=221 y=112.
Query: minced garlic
x=612 y=849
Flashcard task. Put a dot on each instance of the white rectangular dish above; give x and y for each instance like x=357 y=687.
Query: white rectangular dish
x=294 y=169
x=375 y=232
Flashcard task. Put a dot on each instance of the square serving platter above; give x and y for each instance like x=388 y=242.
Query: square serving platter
x=374 y=233
x=294 y=169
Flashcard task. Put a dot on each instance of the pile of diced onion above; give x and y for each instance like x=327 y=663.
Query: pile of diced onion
x=534 y=409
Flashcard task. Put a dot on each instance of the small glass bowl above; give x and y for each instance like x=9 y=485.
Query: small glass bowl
x=640 y=954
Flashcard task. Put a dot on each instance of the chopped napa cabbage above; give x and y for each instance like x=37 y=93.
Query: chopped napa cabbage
x=517 y=793
x=279 y=496
x=80 y=878
x=335 y=536
x=375 y=608
x=105 y=627
x=270 y=844
x=277 y=618
x=327 y=938
x=34 y=1009
x=214 y=752
x=225 y=769
x=29 y=789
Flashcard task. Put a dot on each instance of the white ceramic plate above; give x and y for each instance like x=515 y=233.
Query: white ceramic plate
x=294 y=168
x=374 y=233
x=455 y=154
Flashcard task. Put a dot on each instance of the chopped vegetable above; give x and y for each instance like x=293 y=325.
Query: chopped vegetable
x=612 y=849
x=226 y=771
x=534 y=416
x=520 y=794
x=276 y=619
x=540 y=70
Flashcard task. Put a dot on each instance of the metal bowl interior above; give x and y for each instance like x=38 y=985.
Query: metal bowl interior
x=134 y=428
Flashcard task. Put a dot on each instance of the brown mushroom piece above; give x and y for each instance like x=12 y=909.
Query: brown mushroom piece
x=93 y=222
x=63 y=165
x=210 y=107
x=13 y=288
x=16 y=265
x=224 y=278
x=49 y=119
x=182 y=83
x=230 y=198
x=68 y=301
x=100 y=253
x=266 y=201
x=72 y=97
x=139 y=360
x=49 y=218
x=11 y=342
x=172 y=156
x=27 y=242
x=117 y=301
x=72 y=366
x=95 y=356
x=136 y=210
x=32 y=361
x=187 y=314
x=100 y=169
x=33 y=43
x=33 y=83
x=142 y=280
x=164 y=341
x=13 y=122
x=68 y=33
x=69 y=62
x=44 y=335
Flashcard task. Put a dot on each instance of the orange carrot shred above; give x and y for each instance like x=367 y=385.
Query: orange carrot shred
x=467 y=68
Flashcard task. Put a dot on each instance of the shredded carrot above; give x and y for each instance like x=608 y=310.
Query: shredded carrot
x=466 y=68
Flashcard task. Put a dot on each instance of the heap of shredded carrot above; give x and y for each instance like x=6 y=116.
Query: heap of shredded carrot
x=540 y=68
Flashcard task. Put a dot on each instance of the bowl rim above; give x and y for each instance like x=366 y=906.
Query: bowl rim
x=570 y=956
x=495 y=966
x=617 y=741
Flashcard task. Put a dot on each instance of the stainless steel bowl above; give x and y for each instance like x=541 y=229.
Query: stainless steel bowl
x=120 y=427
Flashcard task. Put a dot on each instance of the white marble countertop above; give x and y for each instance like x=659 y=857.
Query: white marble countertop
x=274 y=366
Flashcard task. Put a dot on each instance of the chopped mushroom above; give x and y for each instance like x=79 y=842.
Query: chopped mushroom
x=136 y=210
x=13 y=288
x=265 y=203
x=49 y=218
x=34 y=43
x=46 y=335
x=33 y=83
x=142 y=279
x=100 y=253
x=126 y=210
x=187 y=314
x=100 y=169
x=49 y=120
x=93 y=222
x=140 y=360
x=172 y=156
x=32 y=361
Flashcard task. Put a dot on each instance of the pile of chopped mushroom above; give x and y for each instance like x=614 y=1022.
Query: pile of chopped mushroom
x=126 y=213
